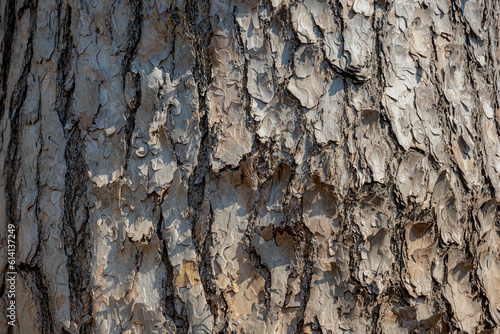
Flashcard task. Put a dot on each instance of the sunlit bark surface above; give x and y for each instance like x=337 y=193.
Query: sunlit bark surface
x=224 y=166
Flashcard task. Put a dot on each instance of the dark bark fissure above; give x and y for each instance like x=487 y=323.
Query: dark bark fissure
x=448 y=316
x=170 y=308
x=495 y=74
x=41 y=293
x=13 y=159
x=216 y=300
x=75 y=227
x=134 y=31
x=378 y=26
x=65 y=79
x=202 y=73
x=9 y=33
x=199 y=26
x=12 y=211
x=283 y=19
x=11 y=170
x=309 y=250
x=132 y=108
x=245 y=95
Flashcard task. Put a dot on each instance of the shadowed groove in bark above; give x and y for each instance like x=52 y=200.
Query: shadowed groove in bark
x=378 y=27
x=169 y=300
x=198 y=21
x=46 y=307
x=75 y=231
x=10 y=29
x=245 y=96
x=217 y=302
x=87 y=328
x=345 y=73
x=13 y=158
x=132 y=108
x=309 y=250
x=351 y=234
x=202 y=74
x=134 y=31
x=448 y=316
x=41 y=295
x=65 y=46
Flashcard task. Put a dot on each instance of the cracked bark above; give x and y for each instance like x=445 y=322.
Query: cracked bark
x=266 y=166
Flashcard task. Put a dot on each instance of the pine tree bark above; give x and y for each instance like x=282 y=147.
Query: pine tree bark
x=252 y=166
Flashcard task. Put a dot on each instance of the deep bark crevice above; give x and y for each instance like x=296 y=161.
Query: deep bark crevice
x=76 y=229
x=9 y=29
x=132 y=108
x=169 y=307
x=65 y=77
x=134 y=33
x=13 y=157
x=198 y=20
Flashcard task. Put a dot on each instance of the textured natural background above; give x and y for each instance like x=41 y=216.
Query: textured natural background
x=251 y=166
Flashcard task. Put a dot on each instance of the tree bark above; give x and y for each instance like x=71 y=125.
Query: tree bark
x=250 y=166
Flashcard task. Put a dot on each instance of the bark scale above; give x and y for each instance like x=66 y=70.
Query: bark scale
x=251 y=166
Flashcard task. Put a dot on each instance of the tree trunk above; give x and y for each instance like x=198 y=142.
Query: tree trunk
x=250 y=166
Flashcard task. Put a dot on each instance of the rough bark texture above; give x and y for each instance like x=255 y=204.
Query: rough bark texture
x=251 y=166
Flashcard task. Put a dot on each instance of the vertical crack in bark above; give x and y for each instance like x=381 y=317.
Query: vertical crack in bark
x=42 y=294
x=134 y=30
x=352 y=235
x=245 y=95
x=378 y=26
x=337 y=9
x=132 y=108
x=46 y=307
x=200 y=28
x=12 y=165
x=169 y=307
x=38 y=180
x=398 y=248
x=448 y=315
x=9 y=32
x=76 y=229
x=309 y=250
x=217 y=302
x=65 y=80
x=13 y=158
